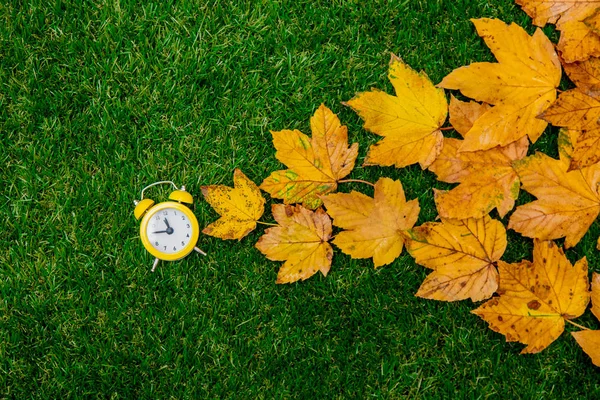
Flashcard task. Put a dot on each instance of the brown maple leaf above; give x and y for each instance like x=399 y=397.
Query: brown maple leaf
x=240 y=207
x=537 y=297
x=518 y=90
x=409 y=122
x=374 y=226
x=301 y=240
x=462 y=254
x=315 y=164
x=567 y=201
x=574 y=18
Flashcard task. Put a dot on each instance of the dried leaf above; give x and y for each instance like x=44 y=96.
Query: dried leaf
x=567 y=202
x=585 y=74
x=590 y=343
x=315 y=164
x=462 y=254
x=587 y=150
x=239 y=207
x=596 y=295
x=536 y=297
x=374 y=226
x=577 y=40
x=574 y=109
x=301 y=240
x=518 y=90
x=409 y=121
x=487 y=179
x=464 y=114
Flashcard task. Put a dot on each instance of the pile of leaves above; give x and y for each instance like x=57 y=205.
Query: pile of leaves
x=514 y=99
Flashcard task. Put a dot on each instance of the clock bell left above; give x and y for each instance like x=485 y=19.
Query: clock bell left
x=169 y=230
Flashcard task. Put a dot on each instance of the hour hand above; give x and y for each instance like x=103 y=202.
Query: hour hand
x=167 y=222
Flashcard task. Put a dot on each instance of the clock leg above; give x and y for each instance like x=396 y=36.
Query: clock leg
x=199 y=251
x=156 y=260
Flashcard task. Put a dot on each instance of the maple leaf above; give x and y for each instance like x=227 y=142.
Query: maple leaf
x=590 y=343
x=577 y=41
x=585 y=74
x=240 y=207
x=462 y=254
x=596 y=295
x=301 y=240
x=567 y=202
x=409 y=122
x=589 y=340
x=536 y=297
x=579 y=110
x=315 y=164
x=374 y=226
x=464 y=114
x=574 y=109
x=487 y=179
x=518 y=90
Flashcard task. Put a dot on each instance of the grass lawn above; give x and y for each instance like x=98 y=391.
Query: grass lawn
x=100 y=98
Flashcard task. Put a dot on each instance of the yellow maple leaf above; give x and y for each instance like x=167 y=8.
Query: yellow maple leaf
x=315 y=164
x=462 y=254
x=301 y=240
x=577 y=41
x=536 y=297
x=374 y=226
x=567 y=202
x=589 y=340
x=487 y=179
x=519 y=90
x=409 y=121
x=240 y=207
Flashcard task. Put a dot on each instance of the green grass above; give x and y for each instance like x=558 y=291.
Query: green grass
x=98 y=99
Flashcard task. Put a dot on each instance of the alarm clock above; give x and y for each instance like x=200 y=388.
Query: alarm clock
x=168 y=230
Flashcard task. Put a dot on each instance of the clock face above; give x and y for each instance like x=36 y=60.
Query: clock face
x=169 y=231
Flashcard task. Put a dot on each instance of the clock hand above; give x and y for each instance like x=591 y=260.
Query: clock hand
x=169 y=229
x=161 y=231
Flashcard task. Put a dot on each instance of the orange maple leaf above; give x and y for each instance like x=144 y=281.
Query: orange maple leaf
x=577 y=41
x=374 y=226
x=567 y=202
x=518 y=90
x=409 y=122
x=585 y=74
x=536 y=297
x=487 y=178
x=462 y=254
x=315 y=164
x=301 y=240
x=589 y=340
x=240 y=207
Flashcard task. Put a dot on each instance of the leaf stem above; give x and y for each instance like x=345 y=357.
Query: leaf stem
x=266 y=223
x=356 y=180
x=577 y=325
x=446 y=128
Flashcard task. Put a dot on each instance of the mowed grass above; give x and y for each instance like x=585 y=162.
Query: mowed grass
x=99 y=99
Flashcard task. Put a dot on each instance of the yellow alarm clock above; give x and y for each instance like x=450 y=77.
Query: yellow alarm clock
x=169 y=230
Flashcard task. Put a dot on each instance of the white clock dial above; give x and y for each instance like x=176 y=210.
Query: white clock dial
x=169 y=230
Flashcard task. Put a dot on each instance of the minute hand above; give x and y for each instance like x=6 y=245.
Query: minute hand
x=160 y=232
